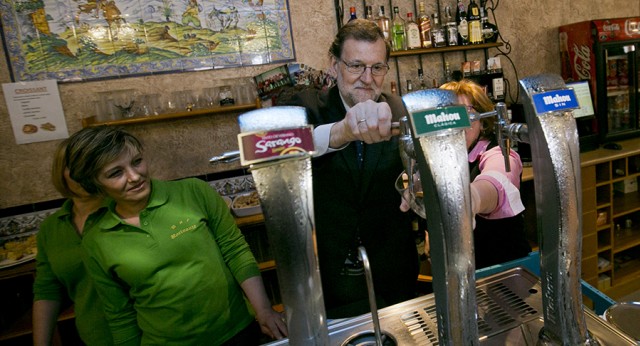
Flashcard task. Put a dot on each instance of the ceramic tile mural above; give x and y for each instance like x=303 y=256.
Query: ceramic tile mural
x=73 y=40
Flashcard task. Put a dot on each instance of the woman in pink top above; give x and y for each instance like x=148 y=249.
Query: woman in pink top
x=499 y=234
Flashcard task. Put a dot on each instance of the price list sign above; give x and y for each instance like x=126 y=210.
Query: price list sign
x=35 y=110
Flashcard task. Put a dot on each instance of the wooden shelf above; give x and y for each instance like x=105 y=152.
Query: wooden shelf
x=91 y=121
x=268 y=265
x=625 y=203
x=24 y=325
x=250 y=220
x=626 y=241
x=630 y=273
x=447 y=49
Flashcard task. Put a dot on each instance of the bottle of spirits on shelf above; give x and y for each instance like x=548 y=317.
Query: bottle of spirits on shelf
x=489 y=31
x=451 y=28
x=398 y=36
x=369 y=13
x=352 y=13
x=437 y=32
x=409 y=86
x=423 y=85
x=425 y=26
x=473 y=19
x=413 y=33
x=463 y=26
x=384 y=24
x=394 y=89
x=448 y=77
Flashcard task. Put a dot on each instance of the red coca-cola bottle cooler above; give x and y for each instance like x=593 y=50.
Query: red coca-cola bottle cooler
x=606 y=53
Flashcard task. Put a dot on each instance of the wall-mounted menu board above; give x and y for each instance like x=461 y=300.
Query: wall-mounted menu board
x=94 y=39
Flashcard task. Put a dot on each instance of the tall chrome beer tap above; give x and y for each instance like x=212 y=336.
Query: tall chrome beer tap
x=553 y=137
x=277 y=143
x=441 y=152
x=437 y=139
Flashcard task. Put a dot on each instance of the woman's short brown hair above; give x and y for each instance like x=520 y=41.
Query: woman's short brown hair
x=91 y=149
x=58 y=167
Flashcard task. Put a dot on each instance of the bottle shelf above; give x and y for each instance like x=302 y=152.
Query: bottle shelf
x=92 y=121
x=447 y=49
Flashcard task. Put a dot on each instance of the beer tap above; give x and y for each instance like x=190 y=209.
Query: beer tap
x=437 y=122
x=277 y=144
x=443 y=169
x=556 y=166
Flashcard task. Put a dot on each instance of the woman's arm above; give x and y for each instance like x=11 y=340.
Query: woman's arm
x=271 y=322
x=45 y=318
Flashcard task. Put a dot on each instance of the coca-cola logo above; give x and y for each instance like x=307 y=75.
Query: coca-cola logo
x=582 y=61
x=611 y=27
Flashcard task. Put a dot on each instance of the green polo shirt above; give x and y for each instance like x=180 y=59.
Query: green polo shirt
x=60 y=273
x=175 y=279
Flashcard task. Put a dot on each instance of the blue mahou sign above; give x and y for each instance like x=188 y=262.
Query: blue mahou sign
x=555 y=100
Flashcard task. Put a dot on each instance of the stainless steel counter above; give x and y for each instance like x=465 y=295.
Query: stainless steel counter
x=509 y=313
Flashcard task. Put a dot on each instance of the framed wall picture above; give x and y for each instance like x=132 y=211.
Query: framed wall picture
x=76 y=40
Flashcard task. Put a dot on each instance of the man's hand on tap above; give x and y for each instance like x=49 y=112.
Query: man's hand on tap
x=367 y=121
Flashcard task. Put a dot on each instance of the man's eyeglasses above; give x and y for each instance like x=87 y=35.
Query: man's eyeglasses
x=358 y=68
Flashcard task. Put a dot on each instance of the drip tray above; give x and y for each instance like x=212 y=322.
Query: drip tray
x=509 y=313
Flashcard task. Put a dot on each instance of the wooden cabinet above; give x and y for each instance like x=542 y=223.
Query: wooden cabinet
x=16 y=298
x=255 y=234
x=610 y=217
x=611 y=222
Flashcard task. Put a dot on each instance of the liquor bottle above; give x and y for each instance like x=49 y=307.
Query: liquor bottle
x=463 y=26
x=413 y=33
x=384 y=24
x=352 y=12
x=438 y=38
x=409 y=86
x=448 y=77
x=423 y=85
x=369 y=13
x=489 y=31
x=398 y=36
x=425 y=26
x=473 y=19
x=394 y=90
x=451 y=28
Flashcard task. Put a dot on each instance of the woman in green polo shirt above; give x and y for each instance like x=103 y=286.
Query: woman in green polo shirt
x=59 y=269
x=167 y=257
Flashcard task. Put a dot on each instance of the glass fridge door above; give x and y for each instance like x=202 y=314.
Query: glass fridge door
x=620 y=62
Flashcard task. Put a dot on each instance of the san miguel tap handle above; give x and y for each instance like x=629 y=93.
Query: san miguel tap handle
x=503 y=140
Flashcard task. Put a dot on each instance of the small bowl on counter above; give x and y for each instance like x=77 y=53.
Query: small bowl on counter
x=246 y=204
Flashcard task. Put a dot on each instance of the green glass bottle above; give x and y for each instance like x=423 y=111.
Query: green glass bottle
x=398 y=35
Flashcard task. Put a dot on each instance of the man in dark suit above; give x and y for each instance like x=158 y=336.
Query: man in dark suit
x=353 y=177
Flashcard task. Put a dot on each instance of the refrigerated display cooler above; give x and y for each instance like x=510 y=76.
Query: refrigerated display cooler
x=605 y=53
